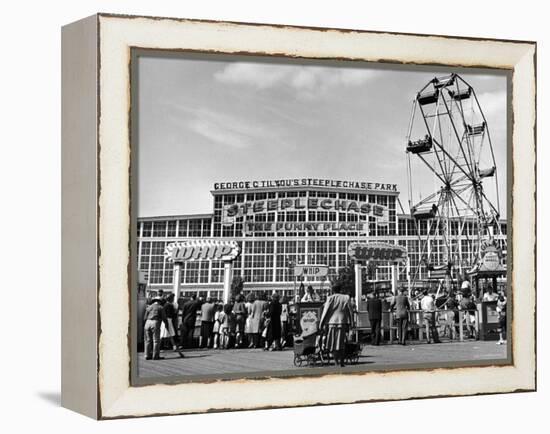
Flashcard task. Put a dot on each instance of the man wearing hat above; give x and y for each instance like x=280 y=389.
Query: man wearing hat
x=154 y=314
x=374 y=309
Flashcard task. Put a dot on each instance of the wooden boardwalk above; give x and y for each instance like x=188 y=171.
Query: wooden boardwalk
x=216 y=362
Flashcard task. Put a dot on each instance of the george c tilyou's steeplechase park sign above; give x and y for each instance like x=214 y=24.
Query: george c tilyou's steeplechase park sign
x=305 y=182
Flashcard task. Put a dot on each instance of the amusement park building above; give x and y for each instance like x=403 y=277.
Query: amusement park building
x=280 y=223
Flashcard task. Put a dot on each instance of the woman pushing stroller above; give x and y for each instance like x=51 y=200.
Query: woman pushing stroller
x=337 y=316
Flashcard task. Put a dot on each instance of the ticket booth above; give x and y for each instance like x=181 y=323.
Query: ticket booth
x=487 y=272
x=365 y=254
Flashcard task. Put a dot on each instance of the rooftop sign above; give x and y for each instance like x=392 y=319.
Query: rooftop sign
x=230 y=212
x=304 y=182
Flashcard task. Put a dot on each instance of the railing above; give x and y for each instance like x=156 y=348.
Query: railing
x=466 y=325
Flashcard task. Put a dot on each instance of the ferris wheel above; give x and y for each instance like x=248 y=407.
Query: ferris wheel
x=452 y=174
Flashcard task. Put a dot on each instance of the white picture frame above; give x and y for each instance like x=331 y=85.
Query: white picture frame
x=97 y=228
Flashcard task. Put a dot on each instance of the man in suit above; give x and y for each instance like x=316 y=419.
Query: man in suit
x=338 y=317
x=374 y=309
x=402 y=306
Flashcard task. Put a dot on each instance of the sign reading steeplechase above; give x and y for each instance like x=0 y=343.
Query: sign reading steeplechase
x=231 y=212
x=305 y=182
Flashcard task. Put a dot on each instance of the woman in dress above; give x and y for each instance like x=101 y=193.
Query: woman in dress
x=218 y=319
x=239 y=309
x=248 y=305
x=273 y=341
x=169 y=333
x=256 y=319
x=227 y=326
x=284 y=320
x=337 y=317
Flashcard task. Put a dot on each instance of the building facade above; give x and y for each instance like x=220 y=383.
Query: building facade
x=282 y=223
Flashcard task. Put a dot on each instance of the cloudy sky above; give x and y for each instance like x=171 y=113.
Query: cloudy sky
x=215 y=119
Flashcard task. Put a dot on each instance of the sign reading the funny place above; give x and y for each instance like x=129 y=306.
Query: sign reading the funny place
x=377 y=252
x=250 y=227
x=200 y=250
x=311 y=270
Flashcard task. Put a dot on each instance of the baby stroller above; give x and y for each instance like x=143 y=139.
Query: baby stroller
x=309 y=350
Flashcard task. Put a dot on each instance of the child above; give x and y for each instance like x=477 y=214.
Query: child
x=227 y=326
x=218 y=319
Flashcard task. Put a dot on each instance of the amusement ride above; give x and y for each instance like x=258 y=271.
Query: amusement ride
x=449 y=147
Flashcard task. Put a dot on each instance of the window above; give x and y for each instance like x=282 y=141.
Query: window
x=206 y=227
x=147 y=229
x=192 y=272
x=157 y=262
x=159 y=229
x=145 y=255
x=195 y=227
x=402 y=227
x=171 y=232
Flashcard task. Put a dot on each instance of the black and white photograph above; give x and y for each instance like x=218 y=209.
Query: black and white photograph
x=297 y=217
x=275 y=216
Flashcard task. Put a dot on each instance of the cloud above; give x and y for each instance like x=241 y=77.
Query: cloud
x=493 y=103
x=308 y=80
x=226 y=130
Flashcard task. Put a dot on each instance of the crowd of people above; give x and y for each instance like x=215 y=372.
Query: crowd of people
x=260 y=321
x=436 y=314
x=264 y=321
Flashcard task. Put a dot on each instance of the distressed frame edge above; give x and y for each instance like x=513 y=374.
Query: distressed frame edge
x=79 y=134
